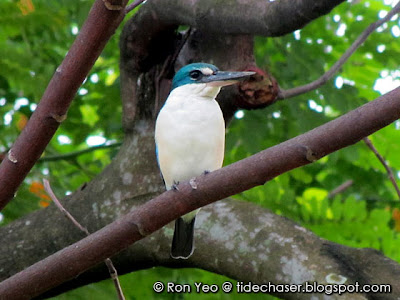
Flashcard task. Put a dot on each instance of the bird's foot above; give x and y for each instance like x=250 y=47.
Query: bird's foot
x=193 y=183
x=206 y=172
x=175 y=186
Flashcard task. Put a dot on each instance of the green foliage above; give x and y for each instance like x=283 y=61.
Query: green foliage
x=34 y=39
x=363 y=215
x=30 y=50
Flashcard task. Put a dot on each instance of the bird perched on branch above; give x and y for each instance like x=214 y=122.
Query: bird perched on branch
x=190 y=136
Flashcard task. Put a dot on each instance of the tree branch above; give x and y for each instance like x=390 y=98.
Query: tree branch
x=284 y=94
x=341 y=188
x=257 y=246
x=255 y=17
x=71 y=155
x=52 y=109
x=240 y=176
x=133 y=5
x=389 y=171
x=107 y=261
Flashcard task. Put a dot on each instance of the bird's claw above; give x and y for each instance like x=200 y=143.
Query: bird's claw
x=206 y=172
x=175 y=186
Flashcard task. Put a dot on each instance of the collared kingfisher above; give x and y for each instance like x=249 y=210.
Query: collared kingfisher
x=190 y=136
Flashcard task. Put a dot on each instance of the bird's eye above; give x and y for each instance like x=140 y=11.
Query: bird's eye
x=196 y=74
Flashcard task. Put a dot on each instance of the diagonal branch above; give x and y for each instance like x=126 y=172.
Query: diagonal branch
x=107 y=261
x=53 y=197
x=284 y=94
x=240 y=176
x=340 y=189
x=133 y=5
x=53 y=107
x=389 y=171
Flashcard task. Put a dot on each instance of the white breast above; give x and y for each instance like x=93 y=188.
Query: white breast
x=190 y=134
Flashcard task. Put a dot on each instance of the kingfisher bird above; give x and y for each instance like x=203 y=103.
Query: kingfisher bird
x=190 y=136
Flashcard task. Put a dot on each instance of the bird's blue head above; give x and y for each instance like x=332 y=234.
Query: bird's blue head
x=206 y=73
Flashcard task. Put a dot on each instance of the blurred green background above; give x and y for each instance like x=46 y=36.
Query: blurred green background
x=35 y=36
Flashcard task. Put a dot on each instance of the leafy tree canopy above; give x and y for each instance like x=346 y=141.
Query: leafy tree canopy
x=36 y=35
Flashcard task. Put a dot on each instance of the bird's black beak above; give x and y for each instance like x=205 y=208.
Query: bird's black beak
x=222 y=78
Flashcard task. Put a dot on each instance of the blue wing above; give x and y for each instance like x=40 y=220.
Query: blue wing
x=158 y=163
